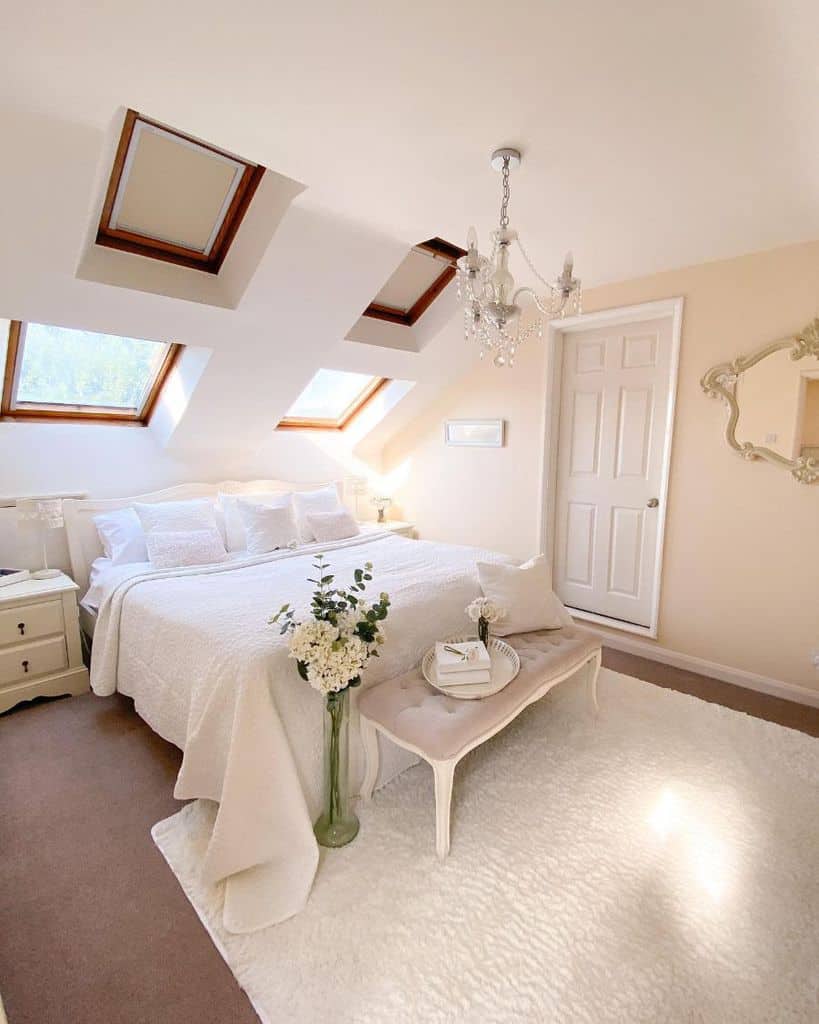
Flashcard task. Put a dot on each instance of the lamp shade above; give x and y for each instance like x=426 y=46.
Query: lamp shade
x=48 y=512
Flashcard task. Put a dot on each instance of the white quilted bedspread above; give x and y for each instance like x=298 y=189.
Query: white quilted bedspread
x=193 y=648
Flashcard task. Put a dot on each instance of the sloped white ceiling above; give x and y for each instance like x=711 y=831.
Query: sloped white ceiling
x=653 y=135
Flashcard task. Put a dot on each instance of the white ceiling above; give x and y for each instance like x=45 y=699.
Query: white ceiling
x=654 y=136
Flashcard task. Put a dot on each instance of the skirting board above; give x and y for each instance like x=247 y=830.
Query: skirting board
x=736 y=676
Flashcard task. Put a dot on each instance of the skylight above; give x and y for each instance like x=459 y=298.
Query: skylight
x=415 y=284
x=331 y=400
x=63 y=373
x=173 y=197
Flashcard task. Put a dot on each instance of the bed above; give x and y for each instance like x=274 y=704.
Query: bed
x=193 y=649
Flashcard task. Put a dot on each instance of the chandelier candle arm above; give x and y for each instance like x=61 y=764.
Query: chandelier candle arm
x=492 y=313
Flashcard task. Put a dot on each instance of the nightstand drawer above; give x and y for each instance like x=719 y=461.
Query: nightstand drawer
x=28 y=621
x=27 y=661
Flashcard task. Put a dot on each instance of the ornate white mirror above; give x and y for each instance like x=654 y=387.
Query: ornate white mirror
x=773 y=403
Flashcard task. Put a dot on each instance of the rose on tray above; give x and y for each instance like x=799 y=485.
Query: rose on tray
x=485 y=611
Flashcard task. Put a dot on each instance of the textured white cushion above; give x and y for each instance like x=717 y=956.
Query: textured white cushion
x=234 y=525
x=168 y=549
x=268 y=527
x=525 y=591
x=327 y=526
x=122 y=536
x=325 y=499
x=169 y=516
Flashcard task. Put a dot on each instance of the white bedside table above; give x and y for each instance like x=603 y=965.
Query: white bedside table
x=398 y=526
x=40 y=651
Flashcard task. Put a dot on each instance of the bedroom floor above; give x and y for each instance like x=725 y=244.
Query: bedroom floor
x=131 y=949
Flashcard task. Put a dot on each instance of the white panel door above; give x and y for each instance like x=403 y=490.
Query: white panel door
x=615 y=389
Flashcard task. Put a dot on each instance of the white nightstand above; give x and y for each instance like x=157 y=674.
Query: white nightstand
x=399 y=527
x=40 y=651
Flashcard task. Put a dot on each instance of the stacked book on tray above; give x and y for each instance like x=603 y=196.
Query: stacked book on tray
x=462 y=664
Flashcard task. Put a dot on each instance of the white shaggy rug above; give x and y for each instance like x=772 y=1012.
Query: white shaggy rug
x=659 y=864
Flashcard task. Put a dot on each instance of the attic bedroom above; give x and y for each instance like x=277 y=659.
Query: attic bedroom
x=409 y=487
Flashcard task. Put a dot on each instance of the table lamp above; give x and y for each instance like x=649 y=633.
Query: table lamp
x=47 y=514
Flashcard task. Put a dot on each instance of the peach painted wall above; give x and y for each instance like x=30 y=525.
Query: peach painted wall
x=741 y=564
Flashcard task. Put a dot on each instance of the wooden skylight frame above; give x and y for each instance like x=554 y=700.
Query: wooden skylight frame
x=445 y=251
x=230 y=218
x=359 y=403
x=11 y=409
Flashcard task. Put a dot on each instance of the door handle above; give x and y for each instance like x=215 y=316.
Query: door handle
x=653 y=502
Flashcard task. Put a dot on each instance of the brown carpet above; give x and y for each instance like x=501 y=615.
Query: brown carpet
x=93 y=925
x=760 y=705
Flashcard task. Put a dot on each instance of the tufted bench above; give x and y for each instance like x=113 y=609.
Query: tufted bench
x=443 y=729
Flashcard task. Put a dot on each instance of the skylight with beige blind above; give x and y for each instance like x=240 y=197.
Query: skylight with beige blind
x=417 y=281
x=174 y=198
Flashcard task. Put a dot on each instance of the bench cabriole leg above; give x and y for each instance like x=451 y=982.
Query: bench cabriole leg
x=593 y=670
x=369 y=737
x=444 y=772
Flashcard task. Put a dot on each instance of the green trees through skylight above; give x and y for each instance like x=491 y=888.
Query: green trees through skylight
x=61 y=366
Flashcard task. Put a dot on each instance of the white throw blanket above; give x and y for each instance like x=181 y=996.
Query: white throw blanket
x=193 y=648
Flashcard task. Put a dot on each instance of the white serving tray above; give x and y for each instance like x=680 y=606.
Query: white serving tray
x=505 y=665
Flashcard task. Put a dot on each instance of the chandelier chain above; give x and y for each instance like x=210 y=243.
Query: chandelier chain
x=531 y=265
x=504 y=211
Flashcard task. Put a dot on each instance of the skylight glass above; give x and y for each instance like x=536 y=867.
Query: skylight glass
x=65 y=367
x=331 y=397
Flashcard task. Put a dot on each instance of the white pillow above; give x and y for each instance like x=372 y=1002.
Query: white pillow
x=171 y=516
x=327 y=526
x=168 y=549
x=267 y=527
x=234 y=525
x=525 y=591
x=121 y=536
x=325 y=499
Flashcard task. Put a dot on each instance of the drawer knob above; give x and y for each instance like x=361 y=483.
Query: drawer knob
x=22 y=627
x=25 y=666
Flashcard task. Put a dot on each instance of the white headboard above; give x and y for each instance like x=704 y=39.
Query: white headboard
x=84 y=543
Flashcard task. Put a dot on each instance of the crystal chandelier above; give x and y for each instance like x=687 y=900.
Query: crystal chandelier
x=492 y=312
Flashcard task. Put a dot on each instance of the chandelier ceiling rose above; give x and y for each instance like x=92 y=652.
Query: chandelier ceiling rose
x=494 y=316
x=497 y=158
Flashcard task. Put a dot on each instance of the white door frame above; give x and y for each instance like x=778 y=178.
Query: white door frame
x=551 y=420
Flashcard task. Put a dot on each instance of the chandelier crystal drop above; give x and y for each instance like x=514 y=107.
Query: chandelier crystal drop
x=494 y=317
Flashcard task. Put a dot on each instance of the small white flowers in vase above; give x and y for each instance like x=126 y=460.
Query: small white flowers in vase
x=485 y=612
x=331 y=650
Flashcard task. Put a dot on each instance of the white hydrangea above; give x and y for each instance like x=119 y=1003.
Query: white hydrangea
x=484 y=608
x=334 y=670
x=312 y=638
x=333 y=655
x=347 y=621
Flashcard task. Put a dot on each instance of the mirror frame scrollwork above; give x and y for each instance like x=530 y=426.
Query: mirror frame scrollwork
x=721 y=382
